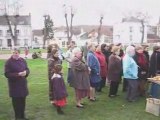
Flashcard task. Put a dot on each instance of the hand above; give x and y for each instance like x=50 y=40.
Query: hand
x=22 y=74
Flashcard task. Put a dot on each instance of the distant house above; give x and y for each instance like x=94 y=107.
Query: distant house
x=24 y=31
x=129 y=31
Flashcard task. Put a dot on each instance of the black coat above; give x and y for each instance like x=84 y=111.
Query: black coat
x=154 y=66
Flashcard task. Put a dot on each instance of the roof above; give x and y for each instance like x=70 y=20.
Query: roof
x=152 y=36
x=22 y=20
x=38 y=32
x=130 y=19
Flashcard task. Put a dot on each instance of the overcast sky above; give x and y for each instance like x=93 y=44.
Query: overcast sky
x=88 y=11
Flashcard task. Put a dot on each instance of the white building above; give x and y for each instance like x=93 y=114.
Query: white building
x=129 y=31
x=24 y=31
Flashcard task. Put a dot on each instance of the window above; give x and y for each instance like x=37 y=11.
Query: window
x=36 y=40
x=8 y=32
x=0 y=42
x=63 y=43
x=25 y=42
x=131 y=29
x=18 y=32
x=1 y=33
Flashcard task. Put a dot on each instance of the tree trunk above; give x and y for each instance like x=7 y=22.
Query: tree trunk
x=67 y=28
x=99 y=31
x=142 y=39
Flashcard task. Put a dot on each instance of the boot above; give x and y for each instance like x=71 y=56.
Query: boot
x=59 y=110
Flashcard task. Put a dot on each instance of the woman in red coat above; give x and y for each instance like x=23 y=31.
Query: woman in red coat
x=103 y=67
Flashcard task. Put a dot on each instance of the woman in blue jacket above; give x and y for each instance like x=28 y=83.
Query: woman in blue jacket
x=94 y=68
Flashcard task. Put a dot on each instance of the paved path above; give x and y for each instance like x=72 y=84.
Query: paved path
x=6 y=56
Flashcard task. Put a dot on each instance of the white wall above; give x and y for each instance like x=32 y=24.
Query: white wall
x=25 y=34
x=122 y=34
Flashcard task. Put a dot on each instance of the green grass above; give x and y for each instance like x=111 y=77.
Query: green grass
x=39 y=108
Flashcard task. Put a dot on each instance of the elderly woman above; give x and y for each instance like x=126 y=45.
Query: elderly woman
x=94 y=67
x=114 y=71
x=52 y=61
x=16 y=70
x=80 y=79
x=130 y=72
x=103 y=67
x=143 y=64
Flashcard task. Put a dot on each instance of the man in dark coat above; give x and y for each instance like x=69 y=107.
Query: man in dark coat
x=16 y=70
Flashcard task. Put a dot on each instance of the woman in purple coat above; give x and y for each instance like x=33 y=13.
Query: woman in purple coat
x=16 y=70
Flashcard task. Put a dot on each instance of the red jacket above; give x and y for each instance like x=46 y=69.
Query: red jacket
x=102 y=62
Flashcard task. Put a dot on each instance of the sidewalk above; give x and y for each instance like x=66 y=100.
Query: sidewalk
x=6 y=56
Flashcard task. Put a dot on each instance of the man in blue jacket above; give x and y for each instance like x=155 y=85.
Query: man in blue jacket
x=130 y=72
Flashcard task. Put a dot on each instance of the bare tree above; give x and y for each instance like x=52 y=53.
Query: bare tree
x=143 y=18
x=69 y=29
x=13 y=32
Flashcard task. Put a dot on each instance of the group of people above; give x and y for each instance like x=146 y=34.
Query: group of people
x=89 y=68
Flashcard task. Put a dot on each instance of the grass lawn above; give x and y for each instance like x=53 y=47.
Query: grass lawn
x=39 y=108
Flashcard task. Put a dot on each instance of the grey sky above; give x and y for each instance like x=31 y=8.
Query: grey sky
x=88 y=11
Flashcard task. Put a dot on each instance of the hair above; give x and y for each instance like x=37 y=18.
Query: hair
x=53 y=52
x=57 y=68
x=16 y=50
x=76 y=50
x=119 y=44
x=139 y=48
x=155 y=48
x=129 y=49
x=90 y=44
x=110 y=47
x=50 y=47
x=115 y=49
x=103 y=47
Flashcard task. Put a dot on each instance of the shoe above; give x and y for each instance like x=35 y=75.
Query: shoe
x=78 y=106
x=92 y=100
x=111 y=96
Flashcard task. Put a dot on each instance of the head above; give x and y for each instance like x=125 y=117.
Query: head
x=91 y=47
x=54 y=53
x=98 y=48
x=145 y=48
x=15 y=54
x=57 y=68
x=104 y=47
x=72 y=44
x=119 y=45
x=77 y=52
x=110 y=47
x=156 y=49
x=51 y=47
x=130 y=50
x=139 y=49
x=115 y=50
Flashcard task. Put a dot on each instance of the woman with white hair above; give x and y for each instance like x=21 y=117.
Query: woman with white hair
x=94 y=66
x=80 y=78
x=130 y=72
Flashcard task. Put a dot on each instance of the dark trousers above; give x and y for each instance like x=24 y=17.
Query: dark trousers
x=113 y=88
x=50 y=91
x=132 y=91
x=124 y=89
x=19 y=106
